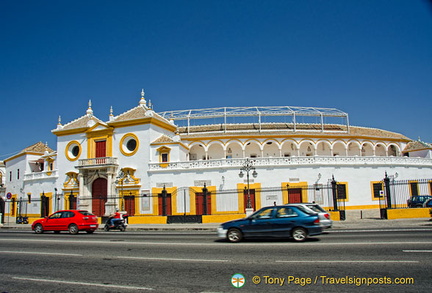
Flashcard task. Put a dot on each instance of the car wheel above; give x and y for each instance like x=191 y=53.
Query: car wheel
x=234 y=235
x=299 y=234
x=73 y=229
x=38 y=229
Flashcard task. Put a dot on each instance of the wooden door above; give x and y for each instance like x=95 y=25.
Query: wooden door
x=129 y=204
x=164 y=205
x=100 y=151
x=295 y=195
x=199 y=203
x=252 y=198
x=99 y=196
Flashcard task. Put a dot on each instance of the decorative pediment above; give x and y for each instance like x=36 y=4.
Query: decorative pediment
x=71 y=180
x=127 y=177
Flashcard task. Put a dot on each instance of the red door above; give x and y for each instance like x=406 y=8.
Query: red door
x=129 y=204
x=199 y=203
x=250 y=195
x=100 y=151
x=295 y=195
x=99 y=196
x=164 y=205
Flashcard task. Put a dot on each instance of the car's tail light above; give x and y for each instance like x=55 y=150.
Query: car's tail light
x=317 y=221
x=85 y=218
x=327 y=216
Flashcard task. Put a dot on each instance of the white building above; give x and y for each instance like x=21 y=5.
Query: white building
x=185 y=164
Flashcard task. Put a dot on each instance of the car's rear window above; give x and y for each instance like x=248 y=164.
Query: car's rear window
x=305 y=210
x=85 y=213
x=316 y=208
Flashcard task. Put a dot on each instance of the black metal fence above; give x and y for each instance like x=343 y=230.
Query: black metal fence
x=330 y=194
x=395 y=193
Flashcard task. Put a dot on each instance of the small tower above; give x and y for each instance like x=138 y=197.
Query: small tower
x=89 y=110
x=111 y=115
x=143 y=101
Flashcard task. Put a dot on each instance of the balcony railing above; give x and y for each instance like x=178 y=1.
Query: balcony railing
x=41 y=175
x=97 y=162
x=289 y=161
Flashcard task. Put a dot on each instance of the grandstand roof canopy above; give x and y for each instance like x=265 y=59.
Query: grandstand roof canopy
x=251 y=111
x=295 y=115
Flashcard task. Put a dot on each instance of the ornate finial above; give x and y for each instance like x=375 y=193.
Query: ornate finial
x=111 y=115
x=89 y=110
x=59 y=121
x=143 y=101
x=150 y=105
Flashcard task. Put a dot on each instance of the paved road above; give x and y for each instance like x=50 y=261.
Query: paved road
x=196 y=261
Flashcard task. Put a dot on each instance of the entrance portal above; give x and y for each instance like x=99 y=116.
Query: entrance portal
x=99 y=196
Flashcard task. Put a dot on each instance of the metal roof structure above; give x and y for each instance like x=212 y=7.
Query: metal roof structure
x=294 y=114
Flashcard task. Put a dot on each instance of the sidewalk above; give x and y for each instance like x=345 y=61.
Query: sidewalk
x=368 y=223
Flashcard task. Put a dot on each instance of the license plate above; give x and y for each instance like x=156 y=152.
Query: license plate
x=91 y=226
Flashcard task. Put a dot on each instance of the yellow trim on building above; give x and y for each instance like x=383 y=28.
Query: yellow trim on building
x=198 y=189
x=147 y=120
x=346 y=192
x=408 y=213
x=68 y=146
x=122 y=147
x=93 y=137
x=372 y=189
x=164 y=150
x=49 y=195
x=241 y=187
x=285 y=186
x=410 y=189
x=169 y=190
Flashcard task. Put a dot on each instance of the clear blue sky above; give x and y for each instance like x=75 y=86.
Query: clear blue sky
x=369 y=58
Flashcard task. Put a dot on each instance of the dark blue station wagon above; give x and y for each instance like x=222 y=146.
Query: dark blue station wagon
x=274 y=221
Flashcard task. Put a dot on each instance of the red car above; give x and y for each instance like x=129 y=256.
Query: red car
x=67 y=220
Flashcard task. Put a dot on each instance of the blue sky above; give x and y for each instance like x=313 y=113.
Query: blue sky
x=369 y=58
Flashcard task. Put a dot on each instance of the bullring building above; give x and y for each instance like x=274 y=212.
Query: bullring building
x=211 y=165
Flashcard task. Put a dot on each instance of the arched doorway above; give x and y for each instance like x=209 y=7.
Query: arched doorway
x=99 y=196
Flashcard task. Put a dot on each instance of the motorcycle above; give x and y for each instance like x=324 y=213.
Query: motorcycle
x=118 y=224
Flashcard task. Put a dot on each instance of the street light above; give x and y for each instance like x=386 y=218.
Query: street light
x=120 y=179
x=247 y=167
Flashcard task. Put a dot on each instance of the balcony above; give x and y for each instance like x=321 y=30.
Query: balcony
x=94 y=163
x=294 y=161
x=41 y=175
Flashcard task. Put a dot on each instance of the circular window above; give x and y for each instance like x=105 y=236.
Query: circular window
x=129 y=144
x=73 y=150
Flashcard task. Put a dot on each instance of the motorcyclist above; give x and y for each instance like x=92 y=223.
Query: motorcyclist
x=116 y=216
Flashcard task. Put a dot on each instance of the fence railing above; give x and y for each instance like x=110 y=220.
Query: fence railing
x=401 y=190
x=316 y=160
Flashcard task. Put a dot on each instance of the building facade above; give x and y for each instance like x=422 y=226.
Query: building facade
x=211 y=165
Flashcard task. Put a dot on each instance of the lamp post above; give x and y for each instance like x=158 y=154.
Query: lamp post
x=120 y=179
x=248 y=167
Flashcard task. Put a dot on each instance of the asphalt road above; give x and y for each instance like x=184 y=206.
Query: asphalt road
x=196 y=261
